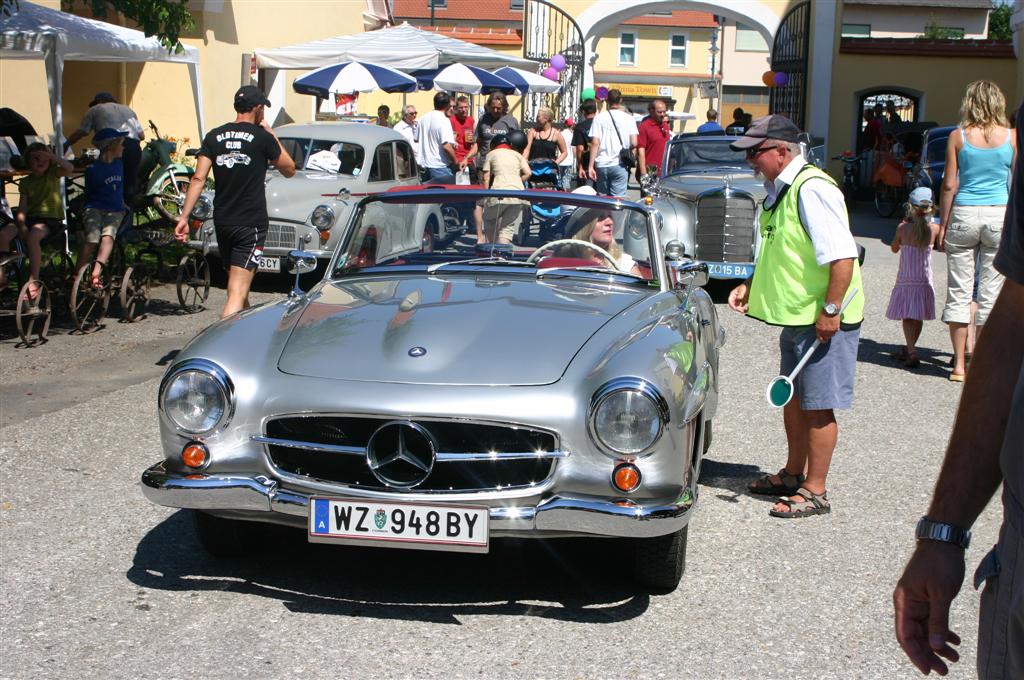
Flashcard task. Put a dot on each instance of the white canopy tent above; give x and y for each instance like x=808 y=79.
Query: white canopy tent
x=36 y=32
x=404 y=47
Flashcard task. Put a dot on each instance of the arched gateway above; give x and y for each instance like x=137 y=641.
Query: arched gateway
x=802 y=35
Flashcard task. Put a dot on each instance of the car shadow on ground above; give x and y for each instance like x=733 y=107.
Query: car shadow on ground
x=581 y=581
x=933 y=363
x=732 y=478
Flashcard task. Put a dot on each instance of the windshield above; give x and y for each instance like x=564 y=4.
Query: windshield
x=702 y=155
x=325 y=155
x=544 y=234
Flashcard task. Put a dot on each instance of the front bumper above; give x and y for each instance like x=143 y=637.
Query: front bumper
x=260 y=498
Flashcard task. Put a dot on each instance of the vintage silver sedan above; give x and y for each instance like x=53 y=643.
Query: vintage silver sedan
x=710 y=202
x=338 y=163
x=440 y=400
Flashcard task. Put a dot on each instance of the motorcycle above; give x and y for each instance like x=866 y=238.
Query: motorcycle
x=162 y=182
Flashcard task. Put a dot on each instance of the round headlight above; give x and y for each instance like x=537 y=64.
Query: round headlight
x=322 y=217
x=203 y=208
x=196 y=398
x=628 y=417
x=675 y=250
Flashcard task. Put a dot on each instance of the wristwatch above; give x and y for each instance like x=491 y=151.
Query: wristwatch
x=946 y=533
x=830 y=309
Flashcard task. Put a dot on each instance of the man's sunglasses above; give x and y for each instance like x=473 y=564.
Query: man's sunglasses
x=757 y=151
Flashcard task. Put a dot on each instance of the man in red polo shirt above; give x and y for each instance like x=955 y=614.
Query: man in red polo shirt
x=654 y=133
x=465 y=142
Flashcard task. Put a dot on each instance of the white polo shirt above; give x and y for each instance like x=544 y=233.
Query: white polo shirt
x=822 y=211
x=435 y=130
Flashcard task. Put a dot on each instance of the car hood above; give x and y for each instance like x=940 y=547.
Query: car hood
x=293 y=198
x=691 y=185
x=454 y=330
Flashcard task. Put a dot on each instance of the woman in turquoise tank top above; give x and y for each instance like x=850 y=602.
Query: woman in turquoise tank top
x=979 y=158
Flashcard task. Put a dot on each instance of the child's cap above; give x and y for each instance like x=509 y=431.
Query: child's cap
x=920 y=197
x=106 y=137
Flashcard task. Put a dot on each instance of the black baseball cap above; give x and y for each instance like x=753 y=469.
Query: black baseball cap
x=249 y=96
x=775 y=126
x=102 y=97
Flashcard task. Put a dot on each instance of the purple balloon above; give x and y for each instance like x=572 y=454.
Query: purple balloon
x=781 y=78
x=550 y=73
x=602 y=93
x=558 y=62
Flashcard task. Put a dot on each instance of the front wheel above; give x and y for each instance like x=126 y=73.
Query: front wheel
x=659 y=562
x=32 y=315
x=193 y=282
x=89 y=302
x=134 y=292
x=170 y=199
x=886 y=200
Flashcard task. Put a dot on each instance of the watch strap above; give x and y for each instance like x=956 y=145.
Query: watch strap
x=928 y=530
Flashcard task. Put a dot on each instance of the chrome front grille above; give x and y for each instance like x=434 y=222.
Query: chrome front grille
x=726 y=225
x=469 y=456
x=280 y=236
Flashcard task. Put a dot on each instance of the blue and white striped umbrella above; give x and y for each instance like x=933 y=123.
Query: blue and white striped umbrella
x=526 y=81
x=353 y=76
x=464 y=78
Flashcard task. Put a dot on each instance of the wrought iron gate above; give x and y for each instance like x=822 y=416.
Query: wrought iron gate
x=789 y=55
x=547 y=31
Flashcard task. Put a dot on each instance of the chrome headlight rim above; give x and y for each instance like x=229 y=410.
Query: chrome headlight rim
x=636 y=386
x=220 y=378
x=322 y=217
x=203 y=209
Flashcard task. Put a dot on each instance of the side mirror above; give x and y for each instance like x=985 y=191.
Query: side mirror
x=299 y=262
x=687 y=273
x=344 y=194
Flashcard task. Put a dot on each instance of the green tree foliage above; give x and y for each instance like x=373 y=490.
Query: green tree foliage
x=999 y=23
x=933 y=31
x=165 y=19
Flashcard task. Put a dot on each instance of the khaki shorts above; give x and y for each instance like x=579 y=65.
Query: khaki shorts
x=503 y=213
x=101 y=223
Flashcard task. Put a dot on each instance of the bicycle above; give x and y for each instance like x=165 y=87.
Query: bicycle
x=851 y=166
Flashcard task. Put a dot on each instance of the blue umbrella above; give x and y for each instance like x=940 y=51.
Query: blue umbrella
x=353 y=76
x=526 y=81
x=464 y=78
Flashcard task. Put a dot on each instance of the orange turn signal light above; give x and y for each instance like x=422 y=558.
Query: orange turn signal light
x=324 y=235
x=648 y=200
x=195 y=224
x=626 y=477
x=194 y=455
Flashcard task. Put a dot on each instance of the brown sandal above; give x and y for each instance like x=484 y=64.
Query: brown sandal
x=810 y=505
x=766 y=487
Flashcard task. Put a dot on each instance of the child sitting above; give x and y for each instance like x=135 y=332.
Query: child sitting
x=41 y=211
x=913 y=297
x=104 y=202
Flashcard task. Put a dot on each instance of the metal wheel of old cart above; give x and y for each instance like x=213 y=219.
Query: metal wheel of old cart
x=32 y=315
x=193 y=282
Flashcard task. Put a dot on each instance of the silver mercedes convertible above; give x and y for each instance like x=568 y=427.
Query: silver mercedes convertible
x=443 y=399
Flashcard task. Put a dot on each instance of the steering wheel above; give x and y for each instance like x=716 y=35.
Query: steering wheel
x=535 y=255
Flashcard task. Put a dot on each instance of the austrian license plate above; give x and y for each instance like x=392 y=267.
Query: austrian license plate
x=398 y=525
x=270 y=264
x=726 y=270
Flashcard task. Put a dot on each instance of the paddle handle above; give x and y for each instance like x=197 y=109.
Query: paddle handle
x=807 y=355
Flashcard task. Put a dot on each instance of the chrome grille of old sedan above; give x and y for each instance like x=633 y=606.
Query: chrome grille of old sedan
x=725 y=227
x=280 y=236
x=448 y=456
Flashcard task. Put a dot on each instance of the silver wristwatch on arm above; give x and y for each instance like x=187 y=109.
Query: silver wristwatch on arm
x=944 y=533
x=830 y=308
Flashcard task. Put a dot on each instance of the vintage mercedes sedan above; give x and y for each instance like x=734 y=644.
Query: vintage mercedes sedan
x=710 y=203
x=442 y=399
x=338 y=163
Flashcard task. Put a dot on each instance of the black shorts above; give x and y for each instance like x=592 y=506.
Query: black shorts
x=241 y=246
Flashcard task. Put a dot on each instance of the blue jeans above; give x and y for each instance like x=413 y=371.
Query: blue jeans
x=612 y=180
x=439 y=176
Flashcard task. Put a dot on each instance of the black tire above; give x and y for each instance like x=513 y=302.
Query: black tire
x=659 y=562
x=222 y=537
x=169 y=200
x=134 y=292
x=32 y=317
x=886 y=200
x=89 y=305
x=193 y=282
x=431 y=235
x=707 y=436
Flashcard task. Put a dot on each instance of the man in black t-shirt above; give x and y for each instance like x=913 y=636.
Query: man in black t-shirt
x=581 y=141
x=238 y=153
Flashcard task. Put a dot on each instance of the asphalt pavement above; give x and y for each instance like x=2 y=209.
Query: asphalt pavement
x=95 y=582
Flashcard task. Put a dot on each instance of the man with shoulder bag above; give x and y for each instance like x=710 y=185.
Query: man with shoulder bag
x=613 y=141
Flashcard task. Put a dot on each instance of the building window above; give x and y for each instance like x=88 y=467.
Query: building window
x=437 y=4
x=749 y=40
x=627 y=49
x=677 y=50
x=856 y=30
x=516 y=4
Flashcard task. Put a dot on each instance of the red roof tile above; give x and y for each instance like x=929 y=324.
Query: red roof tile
x=479 y=35
x=679 y=18
x=482 y=10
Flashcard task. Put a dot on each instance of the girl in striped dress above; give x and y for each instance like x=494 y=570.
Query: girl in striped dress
x=913 y=297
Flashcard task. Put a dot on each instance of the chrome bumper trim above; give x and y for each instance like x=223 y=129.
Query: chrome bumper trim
x=557 y=514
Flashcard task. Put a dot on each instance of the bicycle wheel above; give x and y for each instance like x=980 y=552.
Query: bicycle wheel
x=88 y=303
x=886 y=200
x=193 y=282
x=32 y=316
x=134 y=293
x=171 y=197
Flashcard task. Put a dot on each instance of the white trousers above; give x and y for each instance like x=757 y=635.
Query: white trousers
x=972 y=239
